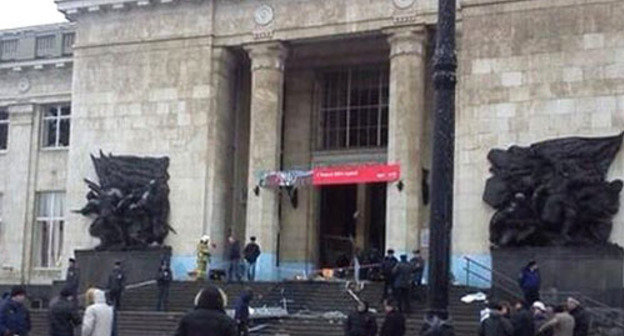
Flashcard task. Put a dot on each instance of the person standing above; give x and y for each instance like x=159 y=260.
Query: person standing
x=63 y=315
x=233 y=256
x=361 y=322
x=14 y=316
x=208 y=318
x=387 y=266
x=116 y=281
x=241 y=311
x=561 y=325
x=402 y=275
x=530 y=281
x=72 y=278
x=418 y=267
x=581 y=317
x=98 y=317
x=163 y=281
x=394 y=323
x=496 y=324
x=522 y=320
x=251 y=254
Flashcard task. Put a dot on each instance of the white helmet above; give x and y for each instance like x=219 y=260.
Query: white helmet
x=204 y=239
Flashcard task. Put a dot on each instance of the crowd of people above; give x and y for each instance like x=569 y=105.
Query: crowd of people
x=538 y=319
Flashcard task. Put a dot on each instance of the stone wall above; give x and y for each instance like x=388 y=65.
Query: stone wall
x=531 y=71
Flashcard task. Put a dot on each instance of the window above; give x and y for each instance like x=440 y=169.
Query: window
x=68 y=43
x=56 y=126
x=4 y=129
x=8 y=49
x=45 y=45
x=354 y=110
x=48 y=230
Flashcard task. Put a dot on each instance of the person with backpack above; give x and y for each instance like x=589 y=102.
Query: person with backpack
x=251 y=254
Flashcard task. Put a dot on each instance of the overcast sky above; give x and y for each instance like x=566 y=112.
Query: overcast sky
x=22 y=13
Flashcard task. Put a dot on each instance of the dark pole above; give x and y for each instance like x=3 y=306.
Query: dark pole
x=445 y=63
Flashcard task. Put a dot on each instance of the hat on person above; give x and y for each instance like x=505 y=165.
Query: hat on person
x=18 y=290
x=403 y=257
x=117 y=262
x=539 y=305
x=390 y=251
x=72 y=260
x=66 y=292
x=253 y=238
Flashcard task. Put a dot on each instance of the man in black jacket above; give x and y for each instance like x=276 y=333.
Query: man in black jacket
x=163 y=281
x=63 y=315
x=72 y=280
x=233 y=257
x=522 y=320
x=241 y=311
x=402 y=276
x=251 y=254
x=116 y=282
x=208 y=318
x=496 y=324
x=361 y=322
x=394 y=324
x=387 y=266
x=581 y=317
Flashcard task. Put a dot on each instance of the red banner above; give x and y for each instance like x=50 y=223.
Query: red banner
x=356 y=174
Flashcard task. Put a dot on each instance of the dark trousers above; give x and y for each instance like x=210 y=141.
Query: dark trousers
x=387 y=288
x=243 y=328
x=163 y=298
x=251 y=271
x=234 y=271
x=115 y=298
x=530 y=296
x=402 y=296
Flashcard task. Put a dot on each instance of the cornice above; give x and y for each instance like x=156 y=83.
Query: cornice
x=39 y=64
x=73 y=8
x=62 y=26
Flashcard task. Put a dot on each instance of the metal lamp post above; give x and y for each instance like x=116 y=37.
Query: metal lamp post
x=437 y=321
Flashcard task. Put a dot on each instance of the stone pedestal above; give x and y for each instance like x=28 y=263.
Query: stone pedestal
x=139 y=265
x=596 y=272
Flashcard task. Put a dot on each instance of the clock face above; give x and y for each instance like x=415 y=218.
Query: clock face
x=403 y=3
x=263 y=15
x=23 y=85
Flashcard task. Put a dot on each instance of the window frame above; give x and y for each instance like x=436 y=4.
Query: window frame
x=344 y=124
x=57 y=120
x=5 y=122
x=68 y=49
x=9 y=56
x=49 y=51
x=50 y=220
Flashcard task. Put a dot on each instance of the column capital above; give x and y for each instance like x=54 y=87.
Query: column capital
x=269 y=55
x=407 y=40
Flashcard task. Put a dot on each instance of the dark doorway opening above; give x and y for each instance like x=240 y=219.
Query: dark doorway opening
x=351 y=216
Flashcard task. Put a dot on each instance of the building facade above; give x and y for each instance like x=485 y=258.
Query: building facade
x=231 y=89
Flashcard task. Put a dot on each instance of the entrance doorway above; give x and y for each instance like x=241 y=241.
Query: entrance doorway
x=352 y=215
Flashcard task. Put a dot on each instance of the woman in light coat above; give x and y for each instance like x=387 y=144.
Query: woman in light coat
x=98 y=318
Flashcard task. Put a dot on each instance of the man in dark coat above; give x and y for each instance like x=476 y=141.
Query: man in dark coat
x=72 y=279
x=394 y=323
x=63 y=315
x=402 y=275
x=418 y=267
x=14 y=316
x=361 y=322
x=522 y=320
x=241 y=311
x=251 y=254
x=387 y=266
x=163 y=281
x=530 y=281
x=496 y=324
x=581 y=317
x=116 y=282
x=233 y=256
x=208 y=318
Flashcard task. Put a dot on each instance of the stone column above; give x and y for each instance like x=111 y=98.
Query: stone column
x=362 y=222
x=405 y=135
x=267 y=88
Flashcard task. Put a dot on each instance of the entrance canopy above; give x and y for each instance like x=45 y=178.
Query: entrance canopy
x=354 y=174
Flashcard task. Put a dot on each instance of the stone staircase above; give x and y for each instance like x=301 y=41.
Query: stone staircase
x=308 y=301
